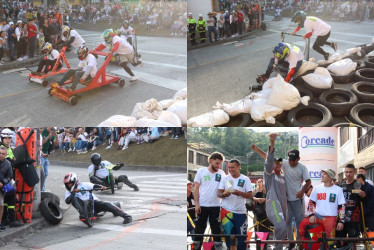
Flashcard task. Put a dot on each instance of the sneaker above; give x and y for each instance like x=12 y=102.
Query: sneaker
x=15 y=224
x=124 y=148
x=84 y=152
x=94 y=148
x=108 y=147
x=127 y=219
x=133 y=79
x=120 y=186
x=327 y=55
x=334 y=45
x=172 y=137
x=2 y=228
x=70 y=149
x=176 y=137
x=20 y=59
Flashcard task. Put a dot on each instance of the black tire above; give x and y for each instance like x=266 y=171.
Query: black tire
x=369 y=62
x=52 y=196
x=360 y=65
x=45 y=83
x=263 y=25
x=338 y=101
x=315 y=115
x=364 y=75
x=304 y=92
x=121 y=83
x=245 y=120
x=265 y=124
x=316 y=91
x=50 y=92
x=343 y=79
x=364 y=91
x=363 y=114
x=358 y=55
x=89 y=214
x=51 y=211
x=111 y=179
x=73 y=100
x=282 y=116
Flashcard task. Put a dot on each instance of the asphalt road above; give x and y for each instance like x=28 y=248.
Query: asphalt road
x=158 y=210
x=224 y=72
x=27 y=103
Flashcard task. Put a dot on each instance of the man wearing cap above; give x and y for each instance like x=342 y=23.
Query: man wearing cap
x=207 y=203
x=276 y=201
x=353 y=195
x=201 y=27
x=11 y=40
x=234 y=189
x=211 y=28
x=328 y=204
x=295 y=174
x=191 y=28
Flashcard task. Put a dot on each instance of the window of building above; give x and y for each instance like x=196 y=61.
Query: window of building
x=201 y=159
x=190 y=156
x=365 y=138
x=217 y=6
x=344 y=136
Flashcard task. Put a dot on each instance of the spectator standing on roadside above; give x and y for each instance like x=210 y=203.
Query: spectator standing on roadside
x=240 y=21
x=362 y=170
x=32 y=32
x=201 y=27
x=211 y=28
x=12 y=38
x=227 y=23
x=49 y=137
x=368 y=202
x=221 y=23
x=3 y=41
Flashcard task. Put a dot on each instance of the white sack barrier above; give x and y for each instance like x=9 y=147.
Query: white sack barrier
x=235 y=108
x=285 y=96
x=306 y=66
x=165 y=104
x=342 y=67
x=262 y=111
x=181 y=94
x=148 y=109
x=321 y=78
x=180 y=109
x=146 y=122
x=213 y=118
x=118 y=121
x=170 y=117
x=269 y=83
x=262 y=94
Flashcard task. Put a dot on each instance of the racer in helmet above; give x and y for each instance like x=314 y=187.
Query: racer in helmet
x=86 y=70
x=126 y=32
x=49 y=60
x=75 y=194
x=70 y=37
x=317 y=27
x=123 y=49
x=99 y=174
x=288 y=53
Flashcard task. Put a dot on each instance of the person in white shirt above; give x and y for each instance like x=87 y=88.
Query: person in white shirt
x=207 y=203
x=98 y=173
x=49 y=60
x=327 y=209
x=126 y=32
x=234 y=189
x=76 y=193
x=86 y=70
x=317 y=27
x=70 y=37
x=124 y=50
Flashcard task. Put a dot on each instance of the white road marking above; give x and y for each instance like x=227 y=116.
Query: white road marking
x=229 y=43
x=165 y=65
x=141 y=185
x=154 y=79
x=166 y=190
x=161 y=53
x=350 y=34
x=166 y=182
x=13 y=70
x=125 y=197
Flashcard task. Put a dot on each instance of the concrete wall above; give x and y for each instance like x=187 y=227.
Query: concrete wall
x=199 y=7
x=347 y=151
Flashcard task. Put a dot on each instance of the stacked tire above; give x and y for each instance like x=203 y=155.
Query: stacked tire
x=50 y=209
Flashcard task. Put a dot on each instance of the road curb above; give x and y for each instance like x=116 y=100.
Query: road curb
x=182 y=169
x=19 y=232
x=230 y=39
x=20 y=64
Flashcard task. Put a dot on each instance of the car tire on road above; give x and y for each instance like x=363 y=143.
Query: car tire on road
x=369 y=62
x=363 y=114
x=313 y=115
x=52 y=196
x=338 y=101
x=364 y=91
x=51 y=211
x=265 y=124
x=343 y=79
x=364 y=75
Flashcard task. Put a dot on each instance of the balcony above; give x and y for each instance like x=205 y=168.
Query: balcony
x=366 y=140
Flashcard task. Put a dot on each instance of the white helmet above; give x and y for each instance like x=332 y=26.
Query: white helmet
x=71 y=178
x=6 y=133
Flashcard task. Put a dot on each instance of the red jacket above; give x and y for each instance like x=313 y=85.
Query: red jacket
x=31 y=30
x=240 y=16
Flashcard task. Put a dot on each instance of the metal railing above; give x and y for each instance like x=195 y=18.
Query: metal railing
x=322 y=240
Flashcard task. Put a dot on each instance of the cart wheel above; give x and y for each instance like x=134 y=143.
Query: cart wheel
x=50 y=91
x=45 y=83
x=30 y=79
x=121 y=82
x=73 y=100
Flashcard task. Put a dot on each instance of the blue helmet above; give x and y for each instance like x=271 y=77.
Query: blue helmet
x=281 y=51
x=299 y=16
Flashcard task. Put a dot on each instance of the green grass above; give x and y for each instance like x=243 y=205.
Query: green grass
x=163 y=152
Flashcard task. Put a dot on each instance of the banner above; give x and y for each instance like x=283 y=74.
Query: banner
x=318 y=150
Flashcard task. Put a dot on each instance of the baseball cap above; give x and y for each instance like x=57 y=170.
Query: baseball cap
x=278 y=160
x=19 y=21
x=190 y=13
x=200 y=15
x=11 y=23
x=293 y=154
x=330 y=172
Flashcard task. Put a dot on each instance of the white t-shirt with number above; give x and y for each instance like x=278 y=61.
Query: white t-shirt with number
x=90 y=60
x=83 y=195
x=234 y=203
x=78 y=41
x=327 y=199
x=316 y=26
x=209 y=183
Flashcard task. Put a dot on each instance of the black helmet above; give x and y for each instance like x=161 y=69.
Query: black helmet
x=95 y=159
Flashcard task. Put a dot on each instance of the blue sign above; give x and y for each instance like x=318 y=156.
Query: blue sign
x=307 y=142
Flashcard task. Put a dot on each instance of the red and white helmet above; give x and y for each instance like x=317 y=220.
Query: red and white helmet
x=71 y=178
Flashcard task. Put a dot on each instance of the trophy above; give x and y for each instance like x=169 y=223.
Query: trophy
x=229 y=187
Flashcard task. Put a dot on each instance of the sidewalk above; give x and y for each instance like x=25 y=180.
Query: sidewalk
x=19 y=64
x=225 y=40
